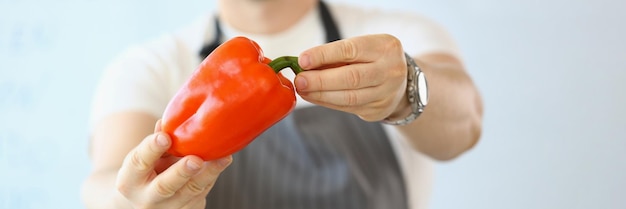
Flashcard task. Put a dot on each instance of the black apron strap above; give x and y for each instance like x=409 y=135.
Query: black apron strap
x=217 y=40
x=331 y=29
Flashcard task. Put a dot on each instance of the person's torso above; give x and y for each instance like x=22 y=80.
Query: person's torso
x=293 y=168
x=316 y=157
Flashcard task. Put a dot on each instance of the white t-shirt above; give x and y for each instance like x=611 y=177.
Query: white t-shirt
x=145 y=77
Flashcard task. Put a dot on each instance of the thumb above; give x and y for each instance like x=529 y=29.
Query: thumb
x=157 y=126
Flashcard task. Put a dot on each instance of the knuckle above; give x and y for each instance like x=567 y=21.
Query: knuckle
x=195 y=188
x=322 y=57
x=183 y=174
x=123 y=189
x=392 y=43
x=351 y=98
x=400 y=68
x=154 y=148
x=353 y=78
x=164 y=190
x=320 y=83
x=137 y=161
x=318 y=96
x=349 y=50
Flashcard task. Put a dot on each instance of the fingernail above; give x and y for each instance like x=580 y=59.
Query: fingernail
x=161 y=140
x=304 y=61
x=194 y=166
x=301 y=83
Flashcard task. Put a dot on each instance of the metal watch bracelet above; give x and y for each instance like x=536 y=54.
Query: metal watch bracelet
x=416 y=90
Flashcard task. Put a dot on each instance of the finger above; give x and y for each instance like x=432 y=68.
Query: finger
x=375 y=111
x=345 y=98
x=157 y=126
x=206 y=178
x=139 y=163
x=165 y=162
x=166 y=184
x=202 y=183
x=354 y=50
x=346 y=77
x=197 y=202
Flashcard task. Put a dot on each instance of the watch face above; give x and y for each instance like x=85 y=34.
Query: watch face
x=422 y=88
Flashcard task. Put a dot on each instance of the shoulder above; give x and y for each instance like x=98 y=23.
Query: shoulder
x=373 y=18
x=174 y=47
x=168 y=57
x=174 y=44
x=145 y=75
x=418 y=33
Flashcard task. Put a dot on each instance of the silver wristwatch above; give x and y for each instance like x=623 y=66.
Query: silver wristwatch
x=416 y=91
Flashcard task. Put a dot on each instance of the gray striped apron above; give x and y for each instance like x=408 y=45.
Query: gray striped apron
x=314 y=158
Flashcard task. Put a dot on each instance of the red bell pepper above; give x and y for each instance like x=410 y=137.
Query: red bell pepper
x=233 y=96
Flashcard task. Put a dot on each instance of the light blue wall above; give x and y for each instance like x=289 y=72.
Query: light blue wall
x=51 y=55
x=551 y=73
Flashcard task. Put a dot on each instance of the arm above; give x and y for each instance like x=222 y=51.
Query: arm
x=451 y=123
x=126 y=131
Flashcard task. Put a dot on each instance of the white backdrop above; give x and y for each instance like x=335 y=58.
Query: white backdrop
x=551 y=73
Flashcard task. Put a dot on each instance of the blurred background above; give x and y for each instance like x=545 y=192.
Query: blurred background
x=551 y=73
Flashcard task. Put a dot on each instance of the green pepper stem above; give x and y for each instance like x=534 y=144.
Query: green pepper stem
x=286 y=61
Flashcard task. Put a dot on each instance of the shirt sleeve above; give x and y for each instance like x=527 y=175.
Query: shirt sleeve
x=421 y=35
x=418 y=34
x=424 y=35
x=133 y=81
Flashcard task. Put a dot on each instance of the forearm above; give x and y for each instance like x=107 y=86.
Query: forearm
x=451 y=122
x=112 y=139
x=99 y=192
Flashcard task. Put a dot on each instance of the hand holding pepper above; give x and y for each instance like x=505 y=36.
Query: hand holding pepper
x=363 y=75
x=150 y=178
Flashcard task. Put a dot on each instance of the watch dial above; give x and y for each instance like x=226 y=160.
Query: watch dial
x=422 y=88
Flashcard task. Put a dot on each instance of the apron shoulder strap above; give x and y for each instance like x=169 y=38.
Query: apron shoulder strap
x=330 y=26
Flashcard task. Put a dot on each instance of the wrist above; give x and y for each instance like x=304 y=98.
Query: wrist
x=416 y=94
x=401 y=110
